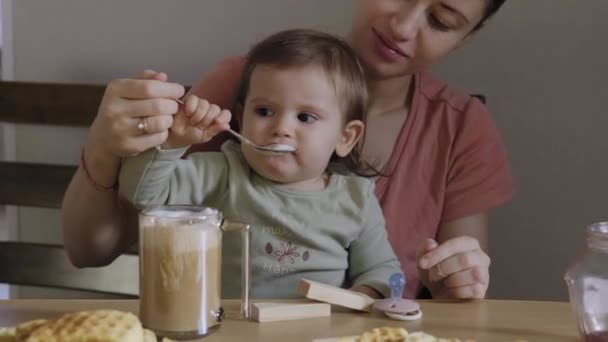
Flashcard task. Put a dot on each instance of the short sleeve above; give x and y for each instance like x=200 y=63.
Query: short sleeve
x=479 y=176
x=218 y=87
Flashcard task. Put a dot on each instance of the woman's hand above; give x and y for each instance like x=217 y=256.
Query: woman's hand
x=197 y=121
x=135 y=115
x=458 y=268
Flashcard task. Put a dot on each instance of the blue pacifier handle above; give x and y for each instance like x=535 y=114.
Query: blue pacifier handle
x=397 y=284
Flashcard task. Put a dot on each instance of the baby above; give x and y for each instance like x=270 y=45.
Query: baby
x=312 y=210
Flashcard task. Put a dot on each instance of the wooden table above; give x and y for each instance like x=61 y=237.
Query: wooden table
x=486 y=320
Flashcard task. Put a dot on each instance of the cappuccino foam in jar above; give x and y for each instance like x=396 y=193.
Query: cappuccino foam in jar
x=179 y=273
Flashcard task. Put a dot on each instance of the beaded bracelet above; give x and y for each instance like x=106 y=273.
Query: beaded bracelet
x=90 y=179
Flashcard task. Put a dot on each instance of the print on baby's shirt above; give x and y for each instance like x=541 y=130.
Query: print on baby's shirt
x=284 y=258
x=283 y=255
x=287 y=252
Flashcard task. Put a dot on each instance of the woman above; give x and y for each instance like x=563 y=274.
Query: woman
x=443 y=157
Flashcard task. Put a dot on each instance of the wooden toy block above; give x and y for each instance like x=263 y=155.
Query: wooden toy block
x=274 y=312
x=335 y=295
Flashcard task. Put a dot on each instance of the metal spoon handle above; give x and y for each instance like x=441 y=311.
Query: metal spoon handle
x=242 y=138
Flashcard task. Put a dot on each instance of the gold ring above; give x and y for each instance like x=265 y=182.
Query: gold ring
x=143 y=125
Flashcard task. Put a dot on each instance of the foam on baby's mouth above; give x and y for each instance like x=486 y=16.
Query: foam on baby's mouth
x=281 y=147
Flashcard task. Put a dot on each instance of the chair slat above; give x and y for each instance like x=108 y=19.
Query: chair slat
x=43 y=185
x=49 y=103
x=33 y=185
x=47 y=265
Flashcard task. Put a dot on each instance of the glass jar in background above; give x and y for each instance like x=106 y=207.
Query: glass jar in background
x=587 y=281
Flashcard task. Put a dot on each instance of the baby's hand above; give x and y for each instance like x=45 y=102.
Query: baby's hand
x=367 y=290
x=197 y=121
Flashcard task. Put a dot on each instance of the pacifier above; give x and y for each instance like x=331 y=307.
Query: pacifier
x=397 y=307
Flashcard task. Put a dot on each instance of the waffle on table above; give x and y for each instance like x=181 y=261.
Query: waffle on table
x=394 y=334
x=82 y=326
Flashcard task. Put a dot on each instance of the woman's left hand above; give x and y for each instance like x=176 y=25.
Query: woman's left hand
x=456 y=269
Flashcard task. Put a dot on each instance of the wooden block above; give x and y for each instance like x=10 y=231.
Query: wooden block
x=274 y=312
x=335 y=295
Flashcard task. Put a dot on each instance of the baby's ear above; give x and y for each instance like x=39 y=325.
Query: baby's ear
x=351 y=134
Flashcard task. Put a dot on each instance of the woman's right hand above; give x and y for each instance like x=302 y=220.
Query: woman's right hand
x=135 y=115
x=456 y=269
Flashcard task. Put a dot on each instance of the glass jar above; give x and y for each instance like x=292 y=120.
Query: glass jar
x=180 y=263
x=587 y=281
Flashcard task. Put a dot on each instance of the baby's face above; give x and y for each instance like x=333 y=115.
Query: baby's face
x=297 y=107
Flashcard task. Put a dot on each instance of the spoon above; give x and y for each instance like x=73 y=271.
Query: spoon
x=273 y=148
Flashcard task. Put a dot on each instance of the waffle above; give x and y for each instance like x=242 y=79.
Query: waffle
x=20 y=332
x=24 y=330
x=149 y=336
x=395 y=334
x=84 y=326
x=422 y=337
x=384 y=334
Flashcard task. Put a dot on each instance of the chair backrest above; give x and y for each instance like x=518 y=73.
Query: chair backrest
x=36 y=184
x=44 y=265
x=43 y=185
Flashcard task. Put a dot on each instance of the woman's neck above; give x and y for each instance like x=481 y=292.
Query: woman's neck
x=387 y=95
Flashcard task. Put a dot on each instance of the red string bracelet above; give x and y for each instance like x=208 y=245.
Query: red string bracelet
x=90 y=179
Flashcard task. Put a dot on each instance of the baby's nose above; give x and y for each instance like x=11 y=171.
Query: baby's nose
x=283 y=127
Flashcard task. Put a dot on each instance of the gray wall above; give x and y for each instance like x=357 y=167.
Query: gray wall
x=538 y=63
x=542 y=64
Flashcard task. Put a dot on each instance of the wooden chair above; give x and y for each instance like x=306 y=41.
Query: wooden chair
x=35 y=184
x=32 y=264
x=43 y=185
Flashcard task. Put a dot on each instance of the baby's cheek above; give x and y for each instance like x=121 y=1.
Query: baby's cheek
x=314 y=161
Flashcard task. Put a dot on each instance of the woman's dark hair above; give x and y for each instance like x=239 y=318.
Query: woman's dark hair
x=303 y=47
x=491 y=8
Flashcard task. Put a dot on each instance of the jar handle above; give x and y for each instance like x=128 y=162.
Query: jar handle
x=245 y=266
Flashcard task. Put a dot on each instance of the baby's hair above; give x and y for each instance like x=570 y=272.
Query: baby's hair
x=303 y=47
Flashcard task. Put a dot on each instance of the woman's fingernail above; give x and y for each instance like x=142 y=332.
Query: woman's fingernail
x=424 y=263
